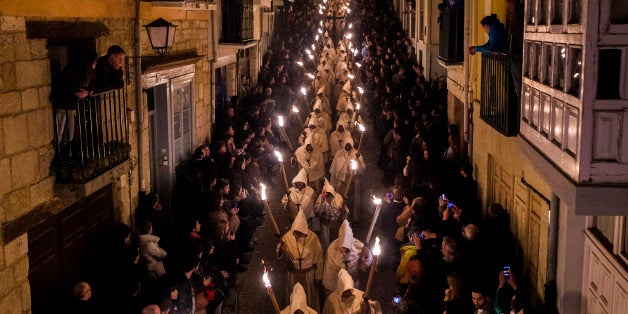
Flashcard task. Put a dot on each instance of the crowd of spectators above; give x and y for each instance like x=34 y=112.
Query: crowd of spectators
x=449 y=256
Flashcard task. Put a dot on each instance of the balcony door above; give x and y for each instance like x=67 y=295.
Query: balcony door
x=170 y=127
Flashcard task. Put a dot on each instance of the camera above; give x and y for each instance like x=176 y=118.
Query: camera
x=450 y=205
x=506 y=271
x=422 y=236
x=397 y=299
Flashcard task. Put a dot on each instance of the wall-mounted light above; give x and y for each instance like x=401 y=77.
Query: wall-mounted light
x=161 y=35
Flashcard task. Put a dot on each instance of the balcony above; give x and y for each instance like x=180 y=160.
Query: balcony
x=100 y=139
x=499 y=106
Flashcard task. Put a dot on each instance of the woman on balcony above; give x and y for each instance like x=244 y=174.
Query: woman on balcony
x=497 y=36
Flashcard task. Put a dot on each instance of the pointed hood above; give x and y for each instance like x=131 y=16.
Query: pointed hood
x=312 y=121
x=327 y=187
x=300 y=223
x=345 y=282
x=317 y=104
x=343 y=66
x=321 y=90
x=298 y=300
x=347 y=87
x=345 y=235
x=349 y=106
x=300 y=177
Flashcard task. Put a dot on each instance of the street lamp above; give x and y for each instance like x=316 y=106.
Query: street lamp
x=161 y=35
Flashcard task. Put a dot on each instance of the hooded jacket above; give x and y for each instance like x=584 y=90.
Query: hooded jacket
x=298 y=301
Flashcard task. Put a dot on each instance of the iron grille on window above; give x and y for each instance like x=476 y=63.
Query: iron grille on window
x=499 y=104
x=237 y=21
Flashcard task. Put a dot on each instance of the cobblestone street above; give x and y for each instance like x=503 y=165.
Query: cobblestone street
x=251 y=295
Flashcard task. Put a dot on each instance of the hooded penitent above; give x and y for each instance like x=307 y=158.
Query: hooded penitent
x=298 y=301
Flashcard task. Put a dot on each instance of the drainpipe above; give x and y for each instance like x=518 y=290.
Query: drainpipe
x=552 y=257
x=139 y=110
x=212 y=62
x=468 y=93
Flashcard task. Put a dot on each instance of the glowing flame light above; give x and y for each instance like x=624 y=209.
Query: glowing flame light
x=295 y=109
x=317 y=37
x=376 y=248
x=349 y=35
x=265 y=279
x=300 y=63
x=351 y=76
x=278 y=155
x=303 y=91
x=280 y=118
x=360 y=90
x=311 y=57
x=313 y=47
x=350 y=25
x=362 y=128
x=310 y=75
x=354 y=165
x=357 y=106
x=263 y=191
x=358 y=64
x=377 y=201
x=308 y=51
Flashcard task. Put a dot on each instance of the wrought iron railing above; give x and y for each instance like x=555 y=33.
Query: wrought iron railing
x=92 y=139
x=499 y=106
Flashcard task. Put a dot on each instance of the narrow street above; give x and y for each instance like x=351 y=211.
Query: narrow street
x=252 y=296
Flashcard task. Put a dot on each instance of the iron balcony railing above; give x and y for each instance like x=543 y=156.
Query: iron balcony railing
x=499 y=106
x=99 y=140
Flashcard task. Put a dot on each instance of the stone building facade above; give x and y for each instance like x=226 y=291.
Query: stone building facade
x=34 y=206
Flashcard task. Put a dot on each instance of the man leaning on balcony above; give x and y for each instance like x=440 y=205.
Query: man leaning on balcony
x=110 y=70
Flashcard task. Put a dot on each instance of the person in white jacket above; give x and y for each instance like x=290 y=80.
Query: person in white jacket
x=298 y=302
x=151 y=254
x=340 y=168
x=345 y=252
x=312 y=161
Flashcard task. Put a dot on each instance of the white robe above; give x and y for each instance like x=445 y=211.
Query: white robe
x=338 y=140
x=313 y=163
x=305 y=259
x=296 y=199
x=335 y=304
x=340 y=166
x=317 y=138
x=344 y=252
x=298 y=301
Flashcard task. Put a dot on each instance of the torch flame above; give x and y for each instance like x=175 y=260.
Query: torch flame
x=376 y=248
x=357 y=106
x=362 y=128
x=360 y=90
x=313 y=47
x=266 y=280
x=308 y=51
x=351 y=76
x=358 y=64
x=263 y=189
x=310 y=75
x=278 y=155
x=354 y=165
x=303 y=91
x=300 y=63
x=377 y=200
x=350 y=25
x=295 y=109
x=311 y=57
x=280 y=118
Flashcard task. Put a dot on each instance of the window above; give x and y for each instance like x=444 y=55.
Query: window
x=559 y=69
x=572 y=131
x=541 y=12
x=531 y=11
x=451 y=45
x=575 y=11
x=546 y=75
x=609 y=71
x=546 y=104
x=237 y=21
x=247 y=19
x=619 y=12
x=525 y=104
x=606 y=226
x=558 y=121
x=612 y=231
x=421 y=19
x=557 y=12
x=575 y=71
x=536 y=104
x=532 y=62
